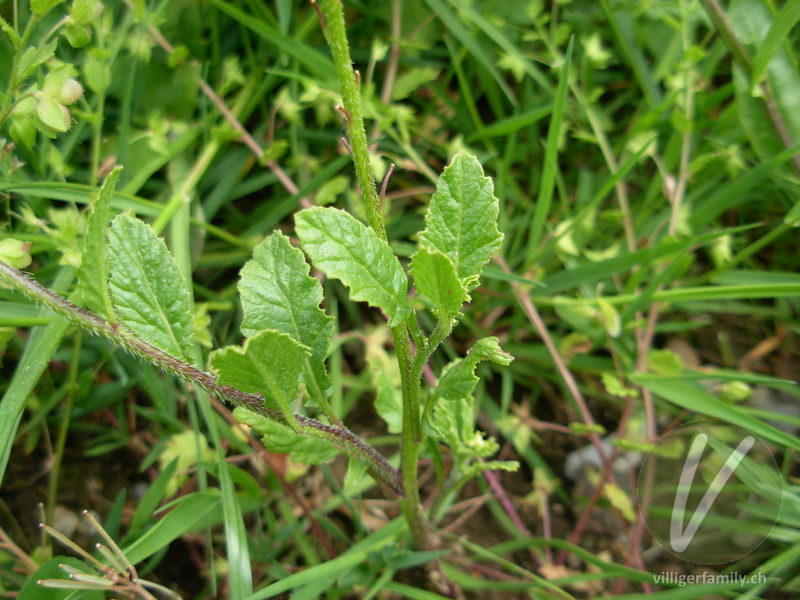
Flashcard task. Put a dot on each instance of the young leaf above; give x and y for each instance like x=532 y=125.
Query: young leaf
x=462 y=218
x=269 y=364
x=33 y=57
x=436 y=277
x=478 y=467
x=347 y=250
x=278 y=293
x=6 y=27
x=42 y=7
x=664 y=362
x=453 y=422
x=93 y=272
x=150 y=296
x=388 y=398
x=459 y=378
x=620 y=500
x=279 y=438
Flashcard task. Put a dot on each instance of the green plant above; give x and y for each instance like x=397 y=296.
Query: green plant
x=135 y=297
x=646 y=160
x=132 y=283
x=41 y=106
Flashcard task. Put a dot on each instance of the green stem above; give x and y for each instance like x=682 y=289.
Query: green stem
x=13 y=78
x=409 y=461
x=336 y=34
x=97 y=125
x=118 y=335
x=438 y=335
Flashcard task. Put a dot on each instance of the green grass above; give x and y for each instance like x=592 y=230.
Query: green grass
x=645 y=155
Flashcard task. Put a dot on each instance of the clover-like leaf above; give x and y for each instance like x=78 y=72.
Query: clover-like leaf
x=150 y=297
x=279 y=438
x=278 y=293
x=435 y=276
x=269 y=364
x=94 y=269
x=459 y=377
x=345 y=249
x=462 y=218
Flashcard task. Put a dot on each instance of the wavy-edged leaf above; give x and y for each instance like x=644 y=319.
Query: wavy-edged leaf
x=454 y=423
x=269 y=364
x=33 y=57
x=278 y=293
x=459 y=378
x=435 y=276
x=345 y=249
x=150 y=297
x=94 y=270
x=279 y=438
x=462 y=218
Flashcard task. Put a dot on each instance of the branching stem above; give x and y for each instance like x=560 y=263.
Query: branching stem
x=120 y=336
x=336 y=34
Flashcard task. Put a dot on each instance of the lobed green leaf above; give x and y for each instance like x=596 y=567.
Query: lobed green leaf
x=33 y=57
x=278 y=293
x=345 y=249
x=454 y=423
x=270 y=364
x=435 y=276
x=42 y=7
x=93 y=272
x=149 y=295
x=462 y=218
x=279 y=438
x=459 y=377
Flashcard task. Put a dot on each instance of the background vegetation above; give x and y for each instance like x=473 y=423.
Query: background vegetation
x=644 y=155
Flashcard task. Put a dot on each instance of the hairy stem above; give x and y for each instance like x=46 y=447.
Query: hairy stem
x=14 y=76
x=117 y=334
x=409 y=462
x=336 y=34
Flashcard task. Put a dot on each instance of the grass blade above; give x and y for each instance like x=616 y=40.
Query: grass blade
x=777 y=35
x=550 y=164
x=468 y=40
x=38 y=351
